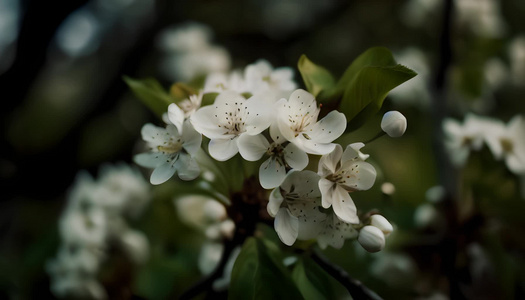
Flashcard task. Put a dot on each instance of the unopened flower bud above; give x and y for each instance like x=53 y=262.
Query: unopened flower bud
x=371 y=238
x=394 y=123
x=382 y=223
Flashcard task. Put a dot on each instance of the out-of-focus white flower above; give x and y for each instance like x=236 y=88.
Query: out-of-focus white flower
x=516 y=53
x=462 y=138
x=341 y=173
x=394 y=123
x=210 y=256
x=78 y=286
x=395 y=269
x=75 y=258
x=220 y=82
x=435 y=194
x=297 y=123
x=87 y=227
x=426 y=216
x=171 y=151
x=186 y=37
x=294 y=204
x=189 y=52
x=382 y=223
x=190 y=105
x=414 y=92
x=230 y=117
x=415 y=12
x=273 y=170
x=482 y=17
x=136 y=245
x=371 y=238
x=495 y=73
x=128 y=193
x=508 y=143
x=261 y=77
x=222 y=283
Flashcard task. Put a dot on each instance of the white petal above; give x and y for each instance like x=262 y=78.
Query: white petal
x=276 y=134
x=223 y=149
x=162 y=173
x=359 y=176
x=282 y=120
x=275 y=202
x=176 y=116
x=259 y=115
x=252 y=147
x=305 y=184
x=353 y=152
x=327 y=190
x=296 y=158
x=301 y=100
x=192 y=139
x=206 y=120
x=313 y=147
x=344 y=206
x=328 y=128
x=271 y=173
x=286 y=226
x=371 y=238
x=328 y=163
x=382 y=223
x=153 y=134
x=187 y=167
x=515 y=163
x=150 y=159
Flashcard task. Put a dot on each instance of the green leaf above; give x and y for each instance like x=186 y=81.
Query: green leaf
x=314 y=283
x=258 y=274
x=151 y=93
x=366 y=83
x=318 y=81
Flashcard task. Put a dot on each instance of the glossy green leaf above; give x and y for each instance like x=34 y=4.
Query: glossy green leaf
x=258 y=274
x=151 y=93
x=314 y=283
x=318 y=81
x=367 y=81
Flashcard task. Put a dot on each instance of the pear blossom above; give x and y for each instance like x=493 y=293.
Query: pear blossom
x=187 y=106
x=295 y=206
x=297 y=122
x=335 y=231
x=230 y=117
x=282 y=155
x=382 y=223
x=508 y=143
x=260 y=77
x=171 y=151
x=460 y=139
x=220 y=82
x=394 y=123
x=342 y=173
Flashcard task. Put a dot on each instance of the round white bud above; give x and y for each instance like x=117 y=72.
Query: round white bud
x=382 y=223
x=394 y=123
x=371 y=238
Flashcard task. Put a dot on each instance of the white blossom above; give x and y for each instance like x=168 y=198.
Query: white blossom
x=261 y=77
x=230 y=117
x=342 y=173
x=460 y=139
x=297 y=122
x=295 y=206
x=508 y=143
x=394 y=123
x=335 y=231
x=382 y=223
x=171 y=151
x=282 y=155
x=220 y=82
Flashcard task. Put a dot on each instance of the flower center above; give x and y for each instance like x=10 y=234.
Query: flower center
x=506 y=145
x=171 y=148
x=235 y=120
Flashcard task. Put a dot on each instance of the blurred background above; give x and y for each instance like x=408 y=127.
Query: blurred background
x=65 y=108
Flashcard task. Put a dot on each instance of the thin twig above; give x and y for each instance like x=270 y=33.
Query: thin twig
x=355 y=287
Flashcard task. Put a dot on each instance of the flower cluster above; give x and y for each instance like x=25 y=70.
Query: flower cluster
x=259 y=114
x=93 y=221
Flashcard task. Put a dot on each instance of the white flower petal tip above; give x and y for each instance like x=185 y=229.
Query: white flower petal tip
x=371 y=239
x=394 y=124
x=382 y=223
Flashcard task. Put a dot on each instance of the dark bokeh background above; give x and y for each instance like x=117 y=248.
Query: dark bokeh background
x=65 y=106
